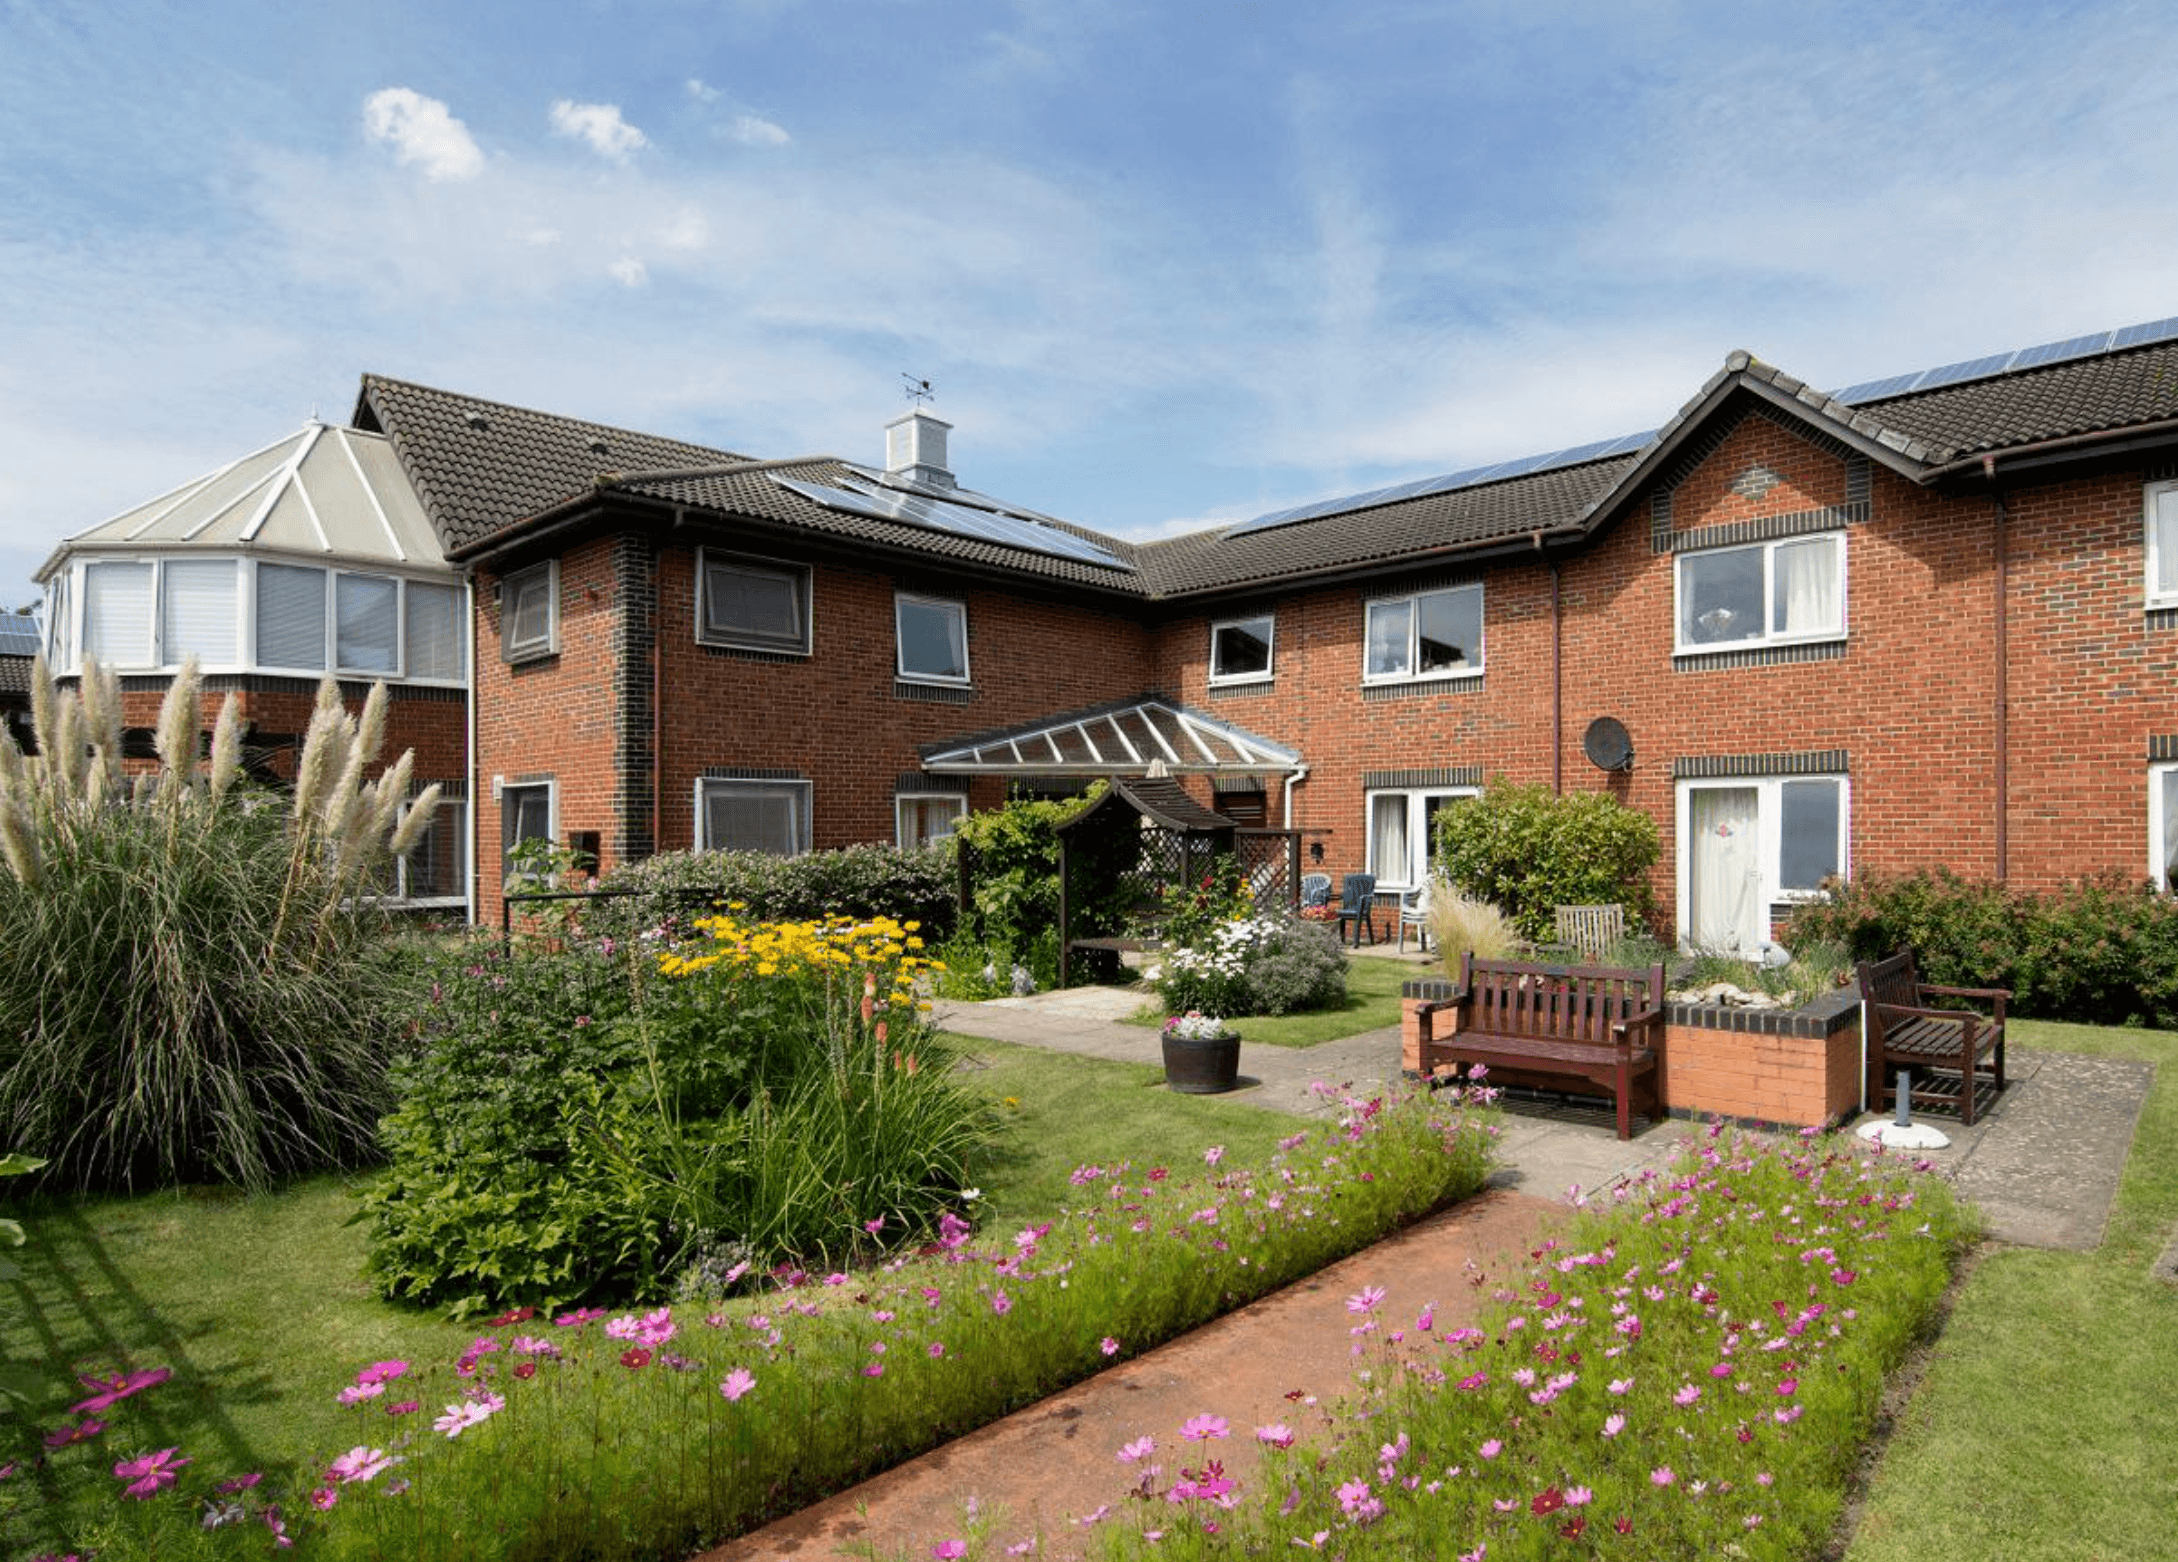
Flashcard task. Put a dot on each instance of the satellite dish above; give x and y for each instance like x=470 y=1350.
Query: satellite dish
x=1607 y=744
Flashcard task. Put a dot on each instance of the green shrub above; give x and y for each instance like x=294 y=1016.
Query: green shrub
x=588 y=1122
x=2095 y=951
x=1254 y=965
x=191 y=989
x=911 y=883
x=1530 y=851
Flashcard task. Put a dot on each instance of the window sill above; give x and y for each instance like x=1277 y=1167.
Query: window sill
x=784 y=653
x=1401 y=681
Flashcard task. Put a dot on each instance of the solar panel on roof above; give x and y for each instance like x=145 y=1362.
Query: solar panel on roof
x=2142 y=335
x=1972 y=369
x=20 y=635
x=2058 y=352
x=1876 y=390
x=961 y=520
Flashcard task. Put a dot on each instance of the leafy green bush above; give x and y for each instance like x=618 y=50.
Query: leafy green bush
x=2096 y=951
x=912 y=884
x=1531 y=851
x=1014 y=866
x=1254 y=965
x=191 y=988
x=590 y=1121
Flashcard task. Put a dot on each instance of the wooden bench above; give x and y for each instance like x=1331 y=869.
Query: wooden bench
x=1955 y=1054
x=1603 y=1024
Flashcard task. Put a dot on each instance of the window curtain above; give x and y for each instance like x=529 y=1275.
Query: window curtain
x=197 y=609
x=1806 y=586
x=1388 y=837
x=742 y=817
x=117 y=609
x=1725 y=846
x=2169 y=860
x=2164 y=525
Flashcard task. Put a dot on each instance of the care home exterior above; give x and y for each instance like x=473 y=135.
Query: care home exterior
x=1932 y=620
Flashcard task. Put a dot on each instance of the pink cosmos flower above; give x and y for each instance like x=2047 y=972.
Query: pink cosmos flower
x=875 y=1369
x=1197 y=1429
x=1001 y=1303
x=1662 y=1475
x=323 y=1498
x=360 y=1463
x=111 y=1391
x=1365 y=1299
x=635 y=1358
x=947 y=1550
x=1621 y=1385
x=1613 y=1425
x=1578 y=1496
x=460 y=1417
x=1427 y=1320
x=151 y=1473
x=1213 y=1155
x=356 y=1393
x=80 y=1432
x=1277 y=1435
x=737 y=1383
x=406 y=1407
x=1108 y=1346
x=1491 y=1449
x=577 y=1318
x=1686 y=1395
x=873 y=1227
x=240 y=1483
x=937 y=1349
x=1141 y=1448
x=382 y=1372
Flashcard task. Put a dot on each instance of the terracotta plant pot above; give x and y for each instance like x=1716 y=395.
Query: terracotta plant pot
x=1204 y=1067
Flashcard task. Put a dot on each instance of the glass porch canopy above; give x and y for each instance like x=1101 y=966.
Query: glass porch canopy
x=1144 y=736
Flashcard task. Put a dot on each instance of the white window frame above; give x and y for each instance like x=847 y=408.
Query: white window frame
x=742 y=640
x=1418 y=799
x=899 y=641
x=1769 y=636
x=1413 y=601
x=2157 y=497
x=1770 y=824
x=400 y=625
x=1269 y=672
x=462 y=839
x=60 y=622
x=551 y=788
x=509 y=589
x=901 y=801
x=2158 y=867
x=802 y=792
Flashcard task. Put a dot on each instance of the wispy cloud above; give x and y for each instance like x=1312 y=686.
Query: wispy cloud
x=601 y=126
x=422 y=131
x=754 y=130
x=629 y=272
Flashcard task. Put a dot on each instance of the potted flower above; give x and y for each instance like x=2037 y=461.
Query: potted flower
x=1202 y=1054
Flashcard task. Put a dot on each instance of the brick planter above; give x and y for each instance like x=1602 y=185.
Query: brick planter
x=1794 y=1068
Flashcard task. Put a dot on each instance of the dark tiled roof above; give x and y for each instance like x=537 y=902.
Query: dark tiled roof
x=479 y=477
x=2113 y=391
x=480 y=467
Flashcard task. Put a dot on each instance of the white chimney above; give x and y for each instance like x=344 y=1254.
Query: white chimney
x=915 y=449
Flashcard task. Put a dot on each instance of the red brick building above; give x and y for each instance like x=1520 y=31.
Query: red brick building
x=1926 y=620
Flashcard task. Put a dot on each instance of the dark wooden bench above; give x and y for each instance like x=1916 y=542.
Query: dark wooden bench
x=1602 y=1024
x=1955 y=1054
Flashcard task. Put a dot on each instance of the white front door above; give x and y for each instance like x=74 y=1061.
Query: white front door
x=1725 y=852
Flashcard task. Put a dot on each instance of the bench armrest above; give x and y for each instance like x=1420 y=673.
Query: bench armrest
x=1439 y=1005
x=1645 y=1018
x=1907 y=1011
x=1997 y=996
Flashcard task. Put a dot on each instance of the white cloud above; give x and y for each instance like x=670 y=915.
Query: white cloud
x=601 y=126
x=629 y=272
x=689 y=230
x=701 y=91
x=751 y=130
x=421 y=131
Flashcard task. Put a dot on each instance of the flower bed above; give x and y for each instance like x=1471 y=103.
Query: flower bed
x=654 y=1431
x=1689 y=1372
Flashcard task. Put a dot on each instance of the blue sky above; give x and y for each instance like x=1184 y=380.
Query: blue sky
x=1167 y=265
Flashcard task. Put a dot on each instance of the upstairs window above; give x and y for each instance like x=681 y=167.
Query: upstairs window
x=435 y=648
x=1433 y=634
x=198 y=612
x=529 y=617
x=1771 y=593
x=752 y=604
x=367 y=623
x=1240 y=650
x=2162 y=507
x=933 y=637
x=117 y=614
x=290 y=617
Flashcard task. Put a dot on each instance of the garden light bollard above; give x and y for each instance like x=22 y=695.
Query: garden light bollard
x=1904 y=1093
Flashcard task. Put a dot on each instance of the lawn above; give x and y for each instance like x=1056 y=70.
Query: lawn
x=258 y=1305
x=2042 y=1428
x=1372 y=1003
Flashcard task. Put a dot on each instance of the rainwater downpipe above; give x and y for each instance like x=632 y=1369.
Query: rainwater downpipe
x=2003 y=711
x=1294 y=778
x=1557 y=684
x=476 y=774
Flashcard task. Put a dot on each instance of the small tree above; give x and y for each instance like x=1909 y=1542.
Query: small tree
x=1531 y=851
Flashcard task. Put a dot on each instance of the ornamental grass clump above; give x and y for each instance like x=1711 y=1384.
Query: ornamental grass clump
x=188 y=995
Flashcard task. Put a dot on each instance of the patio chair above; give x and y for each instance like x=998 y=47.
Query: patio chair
x=1315 y=890
x=1414 y=913
x=1357 y=904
